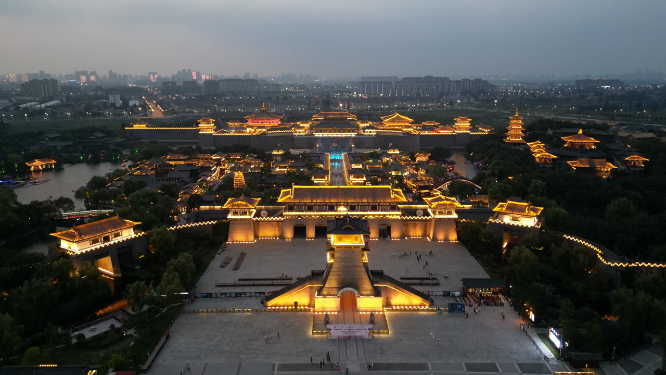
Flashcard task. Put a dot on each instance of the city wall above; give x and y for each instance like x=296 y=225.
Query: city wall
x=165 y=135
x=269 y=142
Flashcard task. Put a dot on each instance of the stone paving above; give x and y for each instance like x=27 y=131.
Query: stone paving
x=239 y=343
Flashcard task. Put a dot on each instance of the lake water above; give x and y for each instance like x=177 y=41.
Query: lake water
x=464 y=169
x=63 y=183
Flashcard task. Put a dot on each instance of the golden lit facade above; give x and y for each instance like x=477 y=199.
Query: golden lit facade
x=517 y=213
x=515 y=130
x=347 y=284
x=579 y=141
x=41 y=164
x=599 y=167
x=635 y=161
x=263 y=118
x=396 y=121
x=83 y=238
x=239 y=180
x=206 y=125
x=463 y=124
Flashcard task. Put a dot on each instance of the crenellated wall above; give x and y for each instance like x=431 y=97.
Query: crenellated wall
x=272 y=141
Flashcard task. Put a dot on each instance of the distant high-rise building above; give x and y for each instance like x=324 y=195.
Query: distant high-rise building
x=40 y=88
x=372 y=88
x=391 y=79
x=115 y=99
x=152 y=76
x=12 y=77
x=591 y=84
x=24 y=77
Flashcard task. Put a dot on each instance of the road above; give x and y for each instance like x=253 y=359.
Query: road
x=337 y=171
x=155 y=110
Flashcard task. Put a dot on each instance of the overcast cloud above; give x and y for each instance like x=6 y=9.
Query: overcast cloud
x=333 y=38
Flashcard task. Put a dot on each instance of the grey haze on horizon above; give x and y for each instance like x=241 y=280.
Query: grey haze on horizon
x=333 y=39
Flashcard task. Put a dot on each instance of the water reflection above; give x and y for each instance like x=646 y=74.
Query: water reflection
x=63 y=183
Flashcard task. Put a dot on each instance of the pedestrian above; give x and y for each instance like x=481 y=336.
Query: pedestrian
x=278 y=334
x=426 y=262
x=437 y=342
x=347 y=370
x=319 y=364
x=310 y=359
x=405 y=269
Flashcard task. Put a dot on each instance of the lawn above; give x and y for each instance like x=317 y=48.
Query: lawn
x=74 y=355
x=551 y=347
x=59 y=125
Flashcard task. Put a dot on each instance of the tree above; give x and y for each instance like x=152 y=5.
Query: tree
x=10 y=335
x=523 y=266
x=31 y=357
x=118 y=363
x=131 y=186
x=460 y=189
x=137 y=295
x=537 y=188
x=31 y=300
x=440 y=153
x=169 y=288
x=556 y=218
x=184 y=267
x=161 y=242
x=64 y=204
x=499 y=192
x=620 y=209
x=437 y=171
x=194 y=201
x=80 y=338
x=171 y=190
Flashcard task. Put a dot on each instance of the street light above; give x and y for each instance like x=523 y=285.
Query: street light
x=26 y=117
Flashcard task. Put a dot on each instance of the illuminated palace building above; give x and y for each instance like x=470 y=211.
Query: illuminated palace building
x=302 y=211
x=266 y=130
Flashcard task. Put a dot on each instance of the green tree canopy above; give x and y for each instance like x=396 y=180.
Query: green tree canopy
x=499 y=192
x=184 y=267
x=440 y=153
x=10 y=335
x=32 y=356
x=137 y=295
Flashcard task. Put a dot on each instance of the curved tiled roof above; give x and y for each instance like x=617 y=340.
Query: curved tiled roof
x=95 y=229
x=520 y=208
x=263 y=114
x=342 y=194
x=580 y=137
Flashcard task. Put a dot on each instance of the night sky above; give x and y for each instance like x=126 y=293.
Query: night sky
x=333 y=38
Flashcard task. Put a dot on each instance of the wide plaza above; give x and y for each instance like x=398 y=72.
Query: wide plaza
x=235 y=343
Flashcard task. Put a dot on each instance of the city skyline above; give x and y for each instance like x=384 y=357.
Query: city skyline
x=337 y=40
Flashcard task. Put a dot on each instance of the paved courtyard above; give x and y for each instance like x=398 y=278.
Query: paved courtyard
x=272 y=258
x=239 y=343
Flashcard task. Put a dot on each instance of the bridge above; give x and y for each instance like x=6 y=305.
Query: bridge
x=445 y=185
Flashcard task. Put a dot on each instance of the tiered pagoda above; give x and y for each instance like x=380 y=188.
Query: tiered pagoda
x=515 y=130
x=579 y=141
x=206 y=125
x=463 y=124
x=263 y=118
